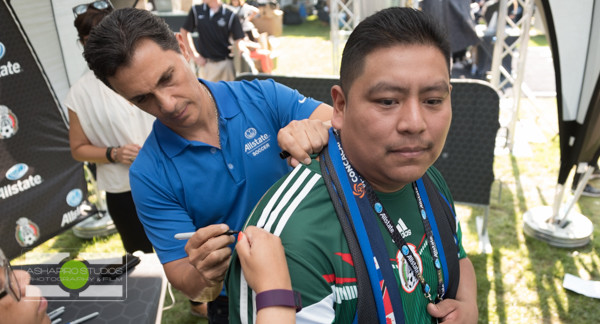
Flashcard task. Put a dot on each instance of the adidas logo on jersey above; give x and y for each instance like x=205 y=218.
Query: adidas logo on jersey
x=404 y=231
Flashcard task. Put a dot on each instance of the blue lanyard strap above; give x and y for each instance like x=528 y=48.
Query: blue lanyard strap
x=370 y=204
x=422 y=191
x=376 y=277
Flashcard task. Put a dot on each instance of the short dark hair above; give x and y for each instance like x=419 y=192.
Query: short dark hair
x=112 y=43
x=87 y=20
x=386 y=28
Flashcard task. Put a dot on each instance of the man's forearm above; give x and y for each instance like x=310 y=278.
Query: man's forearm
x=185 y=278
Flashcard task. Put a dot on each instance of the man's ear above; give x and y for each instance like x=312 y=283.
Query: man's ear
x=339 y=106
x=182 y=47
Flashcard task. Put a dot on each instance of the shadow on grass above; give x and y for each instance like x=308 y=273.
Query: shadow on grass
x=504 y=224
x=519 y=186
x=548 y=266
x=491 y=285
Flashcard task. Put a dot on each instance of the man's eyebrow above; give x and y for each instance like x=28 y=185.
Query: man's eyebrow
x=163 y=78
x=437 y=86
x=386 y=86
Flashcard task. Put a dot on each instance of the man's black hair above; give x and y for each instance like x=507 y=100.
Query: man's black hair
x=386 y=28
x=111 y=44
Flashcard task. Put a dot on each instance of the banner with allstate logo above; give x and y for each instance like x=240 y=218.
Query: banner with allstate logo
x=41 y=186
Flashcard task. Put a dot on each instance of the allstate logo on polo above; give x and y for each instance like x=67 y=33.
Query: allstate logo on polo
x=8 y=68
x=258 y=144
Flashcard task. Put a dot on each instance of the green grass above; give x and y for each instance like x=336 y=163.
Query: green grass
x=312 y=27
x=538 y=40
x=520 y=281
x=304 y=53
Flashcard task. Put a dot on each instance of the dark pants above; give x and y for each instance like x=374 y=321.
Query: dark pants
x=122 y=211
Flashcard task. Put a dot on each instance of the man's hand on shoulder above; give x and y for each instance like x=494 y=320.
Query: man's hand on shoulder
x=300 y=138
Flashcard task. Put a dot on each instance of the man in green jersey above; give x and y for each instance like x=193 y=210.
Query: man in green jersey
x=392 y=113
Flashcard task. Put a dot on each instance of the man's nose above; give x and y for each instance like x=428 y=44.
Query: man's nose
x=411 y=119
x=166 y=101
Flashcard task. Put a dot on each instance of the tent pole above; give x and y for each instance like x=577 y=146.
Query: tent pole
x=578 y=191
x=558 y=197
x=525 y=23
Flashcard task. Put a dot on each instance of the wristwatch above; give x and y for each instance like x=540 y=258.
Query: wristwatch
x=279 y=297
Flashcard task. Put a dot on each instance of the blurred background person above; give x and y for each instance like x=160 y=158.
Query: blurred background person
x=215 y=25
x=107 y=130
x=245 y=13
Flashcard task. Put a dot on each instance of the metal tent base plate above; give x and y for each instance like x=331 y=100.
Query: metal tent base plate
x=575 y=231
x=95 y=226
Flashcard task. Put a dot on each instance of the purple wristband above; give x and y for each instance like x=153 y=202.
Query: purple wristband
x=278 y=297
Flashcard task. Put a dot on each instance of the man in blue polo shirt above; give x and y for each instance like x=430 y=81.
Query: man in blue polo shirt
x=215 y=24
x=214 y=148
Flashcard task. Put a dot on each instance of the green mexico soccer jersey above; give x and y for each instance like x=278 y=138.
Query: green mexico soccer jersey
x=298 y=210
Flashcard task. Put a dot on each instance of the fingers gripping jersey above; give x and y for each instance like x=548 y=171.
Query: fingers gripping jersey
x=299 y=210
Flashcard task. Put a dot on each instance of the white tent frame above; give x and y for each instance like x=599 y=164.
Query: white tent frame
x=518 y=52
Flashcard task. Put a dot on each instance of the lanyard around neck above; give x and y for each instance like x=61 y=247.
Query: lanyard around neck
x=372 y=199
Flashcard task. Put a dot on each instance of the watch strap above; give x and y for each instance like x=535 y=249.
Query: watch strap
x=278 y=297
x=109 y=154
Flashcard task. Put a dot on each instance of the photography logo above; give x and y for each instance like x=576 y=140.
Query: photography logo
x=90 y=276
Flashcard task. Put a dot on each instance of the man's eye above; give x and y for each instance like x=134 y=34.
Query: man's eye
x=433 y=102
x=386 y=102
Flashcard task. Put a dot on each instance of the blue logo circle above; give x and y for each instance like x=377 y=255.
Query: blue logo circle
x=17 y=171
x=427 y=289
x=74 y=197
x=423 y=214
x=405 y=250
x=437 y=264
x=2 y=50
x=378 y=207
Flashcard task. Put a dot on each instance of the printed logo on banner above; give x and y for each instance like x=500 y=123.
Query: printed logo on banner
x=74 y=197
x=17 y=171
x=86 y=276
x=26 y=232
x=70 y=216
x=9 y=68
x=9 y=124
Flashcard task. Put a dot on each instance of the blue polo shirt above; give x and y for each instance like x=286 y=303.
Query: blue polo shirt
x=180 y=185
